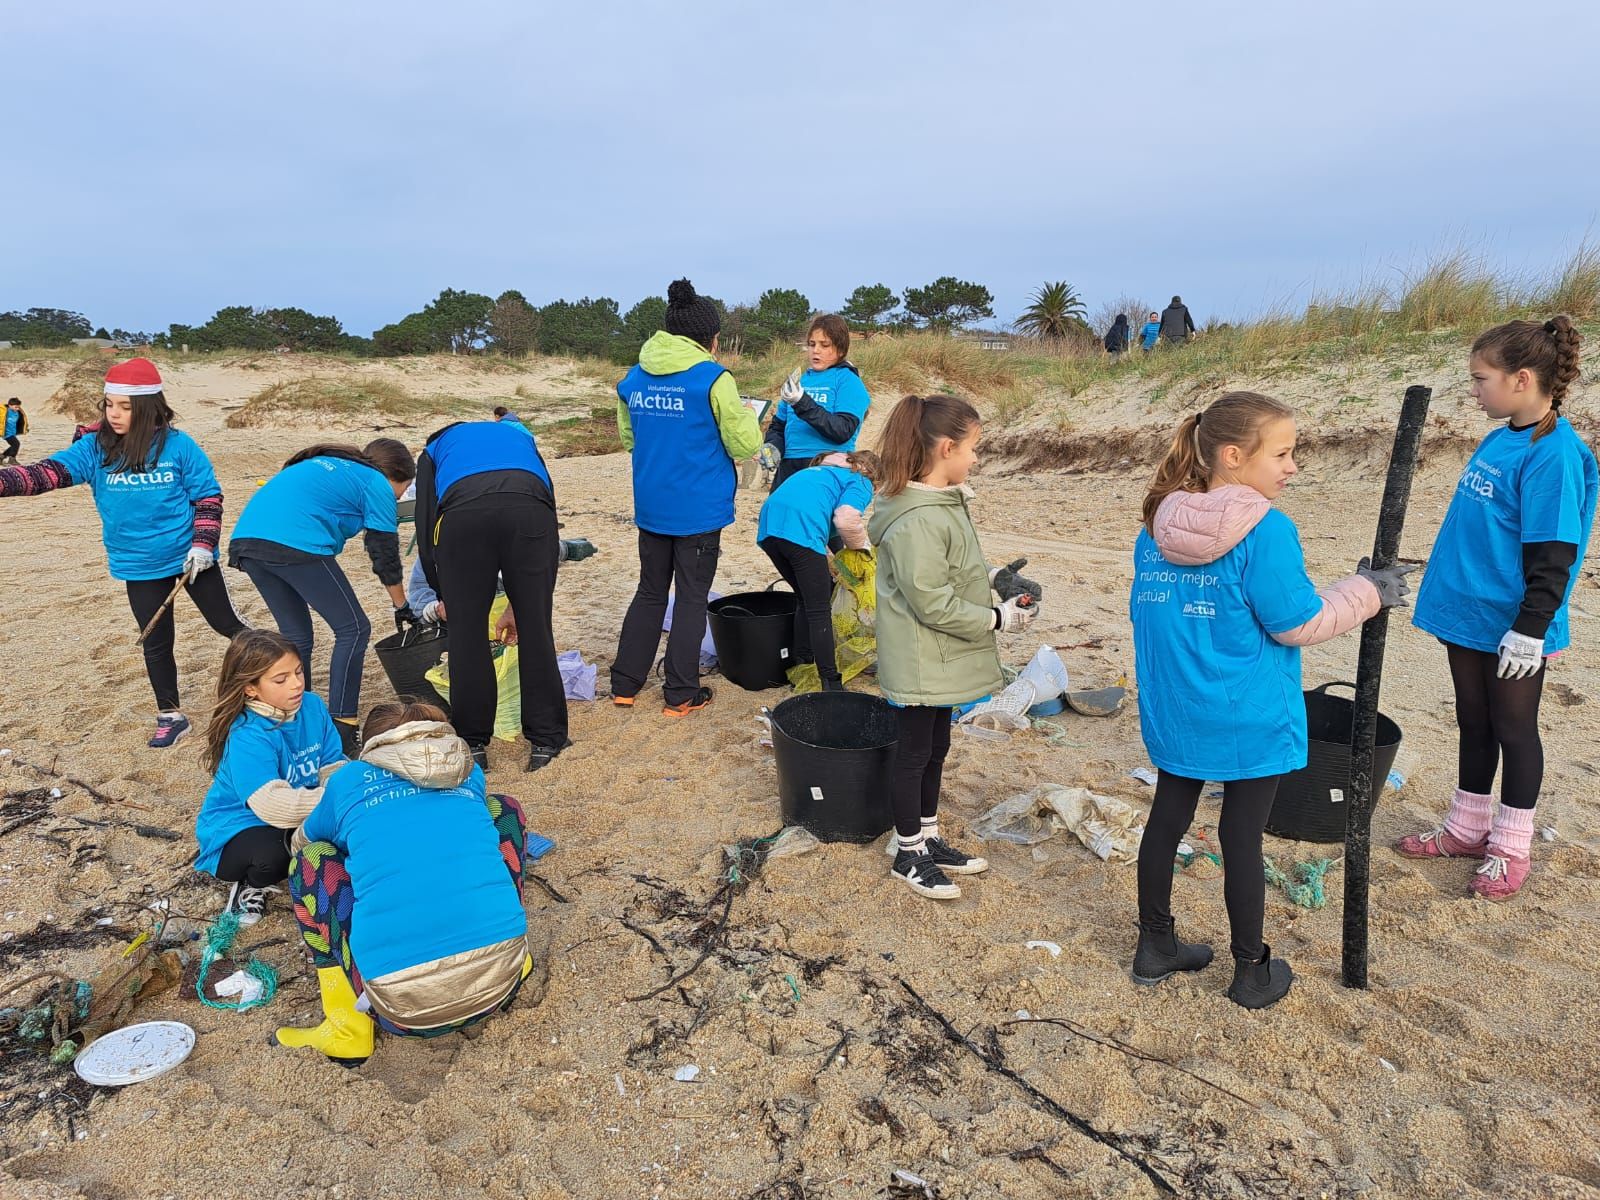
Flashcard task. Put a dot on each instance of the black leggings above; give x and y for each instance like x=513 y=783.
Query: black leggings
x=1246 y=804
x=210 y=595
x=258 y=856
x=13 y=446
x=807 y=573
x=918 y=766
x=1498 y=719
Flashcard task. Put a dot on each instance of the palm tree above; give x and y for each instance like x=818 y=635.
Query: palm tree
x=1057 y=310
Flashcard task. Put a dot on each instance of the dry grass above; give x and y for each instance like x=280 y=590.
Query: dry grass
x=321 y=396
x=80 y=393
x=574 y=437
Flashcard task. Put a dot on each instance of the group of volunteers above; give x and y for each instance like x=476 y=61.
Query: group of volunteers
x=406 y=872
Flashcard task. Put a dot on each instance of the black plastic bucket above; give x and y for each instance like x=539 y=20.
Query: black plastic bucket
x=752 y=632
x=835 y=753
x=406 y=658
x=1312 y=802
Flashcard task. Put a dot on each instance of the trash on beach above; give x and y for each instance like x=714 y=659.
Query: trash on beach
x=220 y=937
x=1101 y=702
x=1143 y=775
x=246 y=987
x=1055 y=950
x=1044 y=678
x=135 y=1053
x=687 y=1073
x=791 y=841
x=903 y=1185
x=1303 y=883
x=1111 y=828
x=577 y=677
x=535 y=846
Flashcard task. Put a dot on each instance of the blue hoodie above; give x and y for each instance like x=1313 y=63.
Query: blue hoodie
x=838 y=389
x=259 y=751
x=801 y=509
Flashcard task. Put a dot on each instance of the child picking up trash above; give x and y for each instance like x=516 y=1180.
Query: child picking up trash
x=935 y=624
x=409 y=889
x=160 y=516
x=1221 y=605
x=269 y=745
x=796 y=522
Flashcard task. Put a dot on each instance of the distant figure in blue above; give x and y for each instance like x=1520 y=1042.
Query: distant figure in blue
x=505 y=415
x=822 y=408
x=1151 y=333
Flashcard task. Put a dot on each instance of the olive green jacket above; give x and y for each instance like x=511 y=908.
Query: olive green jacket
x=935 y=622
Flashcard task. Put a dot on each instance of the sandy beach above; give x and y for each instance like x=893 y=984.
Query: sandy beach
x=1468 y=1069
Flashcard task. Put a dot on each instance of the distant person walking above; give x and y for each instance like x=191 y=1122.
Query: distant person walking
x=1177 y=326
x=1118 y=337
x=1151 y=333
x=16 y=426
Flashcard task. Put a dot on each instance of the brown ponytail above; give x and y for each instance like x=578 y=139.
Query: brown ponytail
x=1235 y=419
x=1550 y=350
x=863 y=462
x=388 y=456
x=914 y=430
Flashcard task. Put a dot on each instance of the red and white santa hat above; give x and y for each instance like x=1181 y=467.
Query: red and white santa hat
x=136 y=377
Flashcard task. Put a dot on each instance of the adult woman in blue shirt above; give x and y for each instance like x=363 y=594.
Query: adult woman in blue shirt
x=288 y=539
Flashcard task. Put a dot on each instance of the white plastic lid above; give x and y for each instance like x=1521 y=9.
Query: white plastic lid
x=135 y=1053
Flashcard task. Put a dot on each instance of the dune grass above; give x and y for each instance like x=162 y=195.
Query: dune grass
x=79 y=395
x=323 y=396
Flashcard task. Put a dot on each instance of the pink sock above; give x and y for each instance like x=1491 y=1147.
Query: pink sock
x=1470 y=817
x=1513 y=832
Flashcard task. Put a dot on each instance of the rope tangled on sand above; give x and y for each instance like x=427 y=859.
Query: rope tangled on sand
x=220 y=935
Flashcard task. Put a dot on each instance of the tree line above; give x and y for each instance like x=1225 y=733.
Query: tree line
x=464 y=322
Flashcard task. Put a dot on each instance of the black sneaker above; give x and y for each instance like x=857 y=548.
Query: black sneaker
x=952 y=861
x=349 y=739
x=541 y=756
x=919 y=873
x=480 y=755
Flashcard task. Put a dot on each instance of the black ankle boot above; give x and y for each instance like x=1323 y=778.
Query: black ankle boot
x=1260 y=983
x=1161 y=954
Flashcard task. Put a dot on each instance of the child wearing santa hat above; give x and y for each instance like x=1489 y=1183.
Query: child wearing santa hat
x=161 y=516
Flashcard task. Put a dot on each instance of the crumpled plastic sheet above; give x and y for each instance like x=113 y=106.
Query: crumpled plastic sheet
x=577 y=677
x=1110 y=827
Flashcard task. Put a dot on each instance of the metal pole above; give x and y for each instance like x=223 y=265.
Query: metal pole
x=1369 y=678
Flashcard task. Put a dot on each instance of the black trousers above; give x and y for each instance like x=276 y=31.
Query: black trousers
x=511 y=537
x=1499 y=723
x=807 y=573
x=1246 y=804
x=258 y=856
x=918 y=766
x=209 y=592
x=686 y=565
x=13 y=447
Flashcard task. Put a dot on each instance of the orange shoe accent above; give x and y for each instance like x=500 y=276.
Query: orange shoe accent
x=622 y=701
x=688 y=706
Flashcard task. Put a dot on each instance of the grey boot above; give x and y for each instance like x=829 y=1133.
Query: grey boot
x=1261 y=983
x=1160 y=954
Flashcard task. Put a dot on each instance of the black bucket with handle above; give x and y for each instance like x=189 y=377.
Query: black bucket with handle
x=752 y=632
x=835 y=753
x=1312 y=802
x=406 y=658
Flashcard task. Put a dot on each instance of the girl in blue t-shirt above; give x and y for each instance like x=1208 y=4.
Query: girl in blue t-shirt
x=796 y=523
x=822 y=408
x=1221 y=605
x=268 y=748
x=1496 y=592
x=160 y=512
x=288 y=540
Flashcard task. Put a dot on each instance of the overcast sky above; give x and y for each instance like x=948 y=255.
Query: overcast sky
x=164 y=160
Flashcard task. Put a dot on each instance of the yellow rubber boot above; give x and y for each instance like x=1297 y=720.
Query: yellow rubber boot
x=345 y=1035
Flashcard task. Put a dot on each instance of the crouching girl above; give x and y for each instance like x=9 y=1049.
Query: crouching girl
x=408 y=889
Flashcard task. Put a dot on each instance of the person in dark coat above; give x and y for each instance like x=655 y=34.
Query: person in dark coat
x=1177 y=325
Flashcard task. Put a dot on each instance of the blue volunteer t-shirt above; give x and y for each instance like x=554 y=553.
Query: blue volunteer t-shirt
x=801 y=509
x=1513 y=491
x=838 y=389
x=260 y=750
x=400 y=841
x=1150 y=333
x=318 y=505
x=1218 y=698
x=146 y=517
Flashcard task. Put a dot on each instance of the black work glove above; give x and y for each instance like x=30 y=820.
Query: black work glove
x=1008 y=584
x=404 y=618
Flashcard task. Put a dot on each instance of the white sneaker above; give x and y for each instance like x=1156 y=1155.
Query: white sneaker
x=250 y=903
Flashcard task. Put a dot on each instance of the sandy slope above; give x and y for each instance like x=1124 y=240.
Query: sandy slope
x=1487 y=1016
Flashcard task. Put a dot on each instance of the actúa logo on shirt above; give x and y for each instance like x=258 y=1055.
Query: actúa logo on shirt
x=164 y=473
x=668 y=400
x=1200 y=608
x=1477 y=480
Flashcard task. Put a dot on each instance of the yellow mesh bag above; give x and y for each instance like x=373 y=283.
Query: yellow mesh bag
x=855 y=611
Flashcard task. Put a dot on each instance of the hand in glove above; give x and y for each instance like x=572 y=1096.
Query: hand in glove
x=575 y=549
x=1014 y=616
x=1520 y=655
x=404 y=618
x=1390 y=582
x=1007 y=583
x=198 y=559
x=433 y=612
x=791 y=392
x=768 y=457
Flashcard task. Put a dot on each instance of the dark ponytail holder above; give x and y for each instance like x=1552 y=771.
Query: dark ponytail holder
x=1551 y=327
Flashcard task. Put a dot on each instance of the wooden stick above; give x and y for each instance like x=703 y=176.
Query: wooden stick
x=1369 y=679
x=165 y=604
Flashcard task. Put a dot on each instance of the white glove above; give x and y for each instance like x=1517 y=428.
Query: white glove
x=1520 y=655
x=433 y=612
x=791 y=391
x=1014 y=617
x=198 y=559
x=768 y=456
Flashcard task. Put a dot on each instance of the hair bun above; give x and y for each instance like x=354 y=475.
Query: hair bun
x=680 y=294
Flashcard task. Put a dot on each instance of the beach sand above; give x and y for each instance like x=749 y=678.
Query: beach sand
x=1467 y=1069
